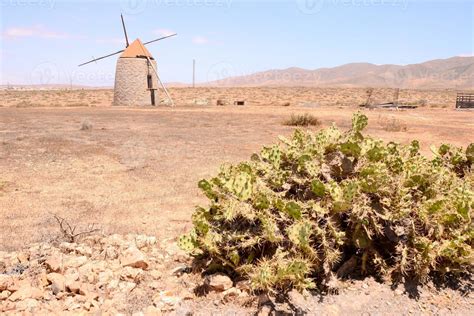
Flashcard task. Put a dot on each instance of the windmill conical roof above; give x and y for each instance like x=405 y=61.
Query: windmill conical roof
x=136 y=49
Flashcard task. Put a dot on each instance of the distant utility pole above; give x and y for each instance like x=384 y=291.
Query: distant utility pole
x=194 y=73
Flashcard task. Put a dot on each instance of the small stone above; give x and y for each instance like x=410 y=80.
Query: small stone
x=71 y=281
x=126 y=287
x=6 y=282
x=232 y=292
x=134 y=258
x=57 y=282
x=298 y=301
x=105 y=276
x=42 y=279
x=265 y=310
x=75 y=262
x=166 y=298
x=26 y=305
x=84 y=250
x=134 y=274
x=110 y=253
x=399 y=291
x=23 y=257
x=4 y=295
x=365 y=286
x=218 y=282
x=24 y=292
x=179 y=270
x=155 y=274
x=244 y=286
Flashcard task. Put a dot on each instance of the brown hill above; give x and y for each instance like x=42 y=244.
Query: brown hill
x=455 y=72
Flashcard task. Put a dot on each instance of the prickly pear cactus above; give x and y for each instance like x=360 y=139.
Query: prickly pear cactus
x=298 y=210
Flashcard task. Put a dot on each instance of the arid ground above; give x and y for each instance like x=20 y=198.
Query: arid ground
x=135 y=170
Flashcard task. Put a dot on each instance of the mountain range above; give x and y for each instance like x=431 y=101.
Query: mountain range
x=455 y=73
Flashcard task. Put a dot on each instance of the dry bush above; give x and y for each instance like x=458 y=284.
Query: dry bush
x=302 y=120
x=86 y=125
x=392 y=124
x=71 y=233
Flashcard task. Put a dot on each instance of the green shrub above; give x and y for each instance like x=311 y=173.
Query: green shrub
x=302 y=120
x=297 y=211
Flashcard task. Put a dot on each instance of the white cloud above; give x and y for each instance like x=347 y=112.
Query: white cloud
x=34 y=31
x=200 y=40
x=164 y=32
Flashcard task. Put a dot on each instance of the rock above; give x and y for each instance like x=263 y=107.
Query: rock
x=26 y=305
x=232 y=292
x=24 y=292
x=265 y=311
x=4 y=295
x=57 y=282
x=132 y=257
x=110 y=253
x=126 y=287
x=42 y=279
x=70 y=304
x=347 y=267
x=134 y=274
x=298 y=301
x=243 y=286
x=67 y=247
x=73 y=287
x=155 y=274
x=166 y=300
x=218 y=282
x=6 y=282
x=105 y=276
x=23 y=257
x=180 y=270
x=84 y=250
x=75 y=262
x=144 y=241
x=88 y=291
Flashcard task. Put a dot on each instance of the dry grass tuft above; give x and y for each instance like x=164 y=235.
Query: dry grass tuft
x=86 y=126
x=305 y=119
x=392 y=124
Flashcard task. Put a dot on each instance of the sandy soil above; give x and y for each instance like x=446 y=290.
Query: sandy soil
x=295 y=96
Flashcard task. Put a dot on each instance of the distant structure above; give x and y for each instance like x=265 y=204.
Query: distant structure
x=136 y=75
x=465 y=100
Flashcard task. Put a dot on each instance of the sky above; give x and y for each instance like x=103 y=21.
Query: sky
x=43 y=41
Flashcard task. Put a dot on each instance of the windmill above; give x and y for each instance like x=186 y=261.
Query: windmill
x=136 y=74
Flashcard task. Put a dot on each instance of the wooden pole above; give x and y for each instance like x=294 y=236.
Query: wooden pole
x=194 y=73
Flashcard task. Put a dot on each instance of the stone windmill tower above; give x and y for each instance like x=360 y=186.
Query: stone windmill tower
x=136 y=75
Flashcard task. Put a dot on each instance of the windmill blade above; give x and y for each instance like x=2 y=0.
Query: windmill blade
x=96 y=59
x=159 y=39
x=124 y=30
